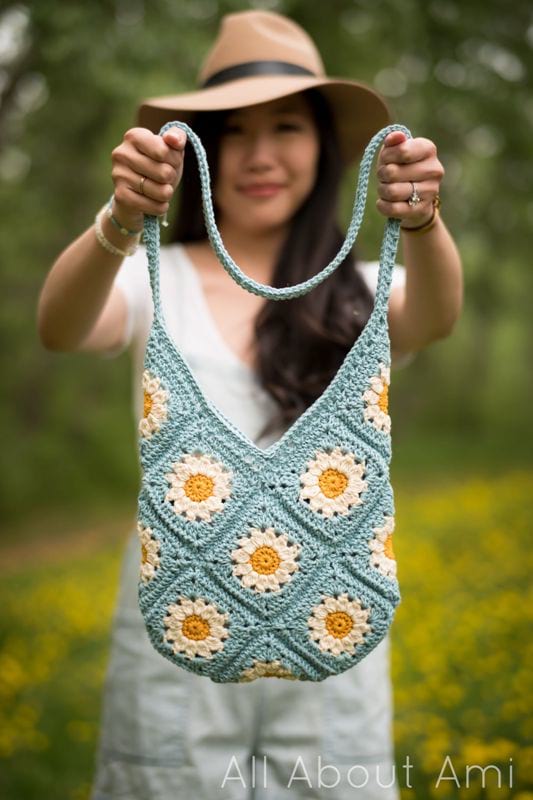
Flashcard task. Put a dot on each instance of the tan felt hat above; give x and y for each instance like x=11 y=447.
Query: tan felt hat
x=260 y=56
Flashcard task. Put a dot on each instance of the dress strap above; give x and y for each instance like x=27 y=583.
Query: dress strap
x=388 y=250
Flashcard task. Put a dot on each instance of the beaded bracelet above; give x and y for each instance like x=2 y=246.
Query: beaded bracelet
x=106 y=244
x=123 y=230
x=426 y=226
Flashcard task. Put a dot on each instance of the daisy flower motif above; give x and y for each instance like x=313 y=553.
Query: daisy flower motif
x=382 y=554
x=376 y=400
x=333 y=482
x=265 y=560
x=266 y=669
x=200 y=485
x=195 y=628
x=338 y=624
x=149 y=553
x=155 y=409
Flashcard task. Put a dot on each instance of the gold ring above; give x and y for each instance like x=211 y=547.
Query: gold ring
x=142 y=184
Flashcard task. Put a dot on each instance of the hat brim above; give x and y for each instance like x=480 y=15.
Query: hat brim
x=359 y=111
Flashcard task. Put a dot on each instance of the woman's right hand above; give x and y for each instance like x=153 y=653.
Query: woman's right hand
x=159 y=159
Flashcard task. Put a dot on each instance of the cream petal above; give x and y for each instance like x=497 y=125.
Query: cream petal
x=315 y=470
x=145 y=428
x=310 y=479
x=261 y=581
x=332 y=503
x=243 y=541
x=181 y=471
x=346 y=463
x=212 y=643
x=270 y=538
x=315 y=503
x=193 y=649
x=323 y=460
x=372 y=395
x=159 y=396
x=240 y=556
x=212 y=503
x=328 y=641
x=310 y=491
x=268 y=582
x=217 y=628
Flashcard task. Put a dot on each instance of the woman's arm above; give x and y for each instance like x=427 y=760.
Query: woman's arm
x=430 y=304
x=79 y=309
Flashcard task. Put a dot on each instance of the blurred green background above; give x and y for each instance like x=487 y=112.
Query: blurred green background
x=71 y=75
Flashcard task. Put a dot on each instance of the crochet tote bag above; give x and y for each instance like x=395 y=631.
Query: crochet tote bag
x=271 y=562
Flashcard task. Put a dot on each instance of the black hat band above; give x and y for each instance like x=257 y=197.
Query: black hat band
x=250 y=68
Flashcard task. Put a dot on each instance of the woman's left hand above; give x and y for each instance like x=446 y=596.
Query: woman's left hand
x=403 y=162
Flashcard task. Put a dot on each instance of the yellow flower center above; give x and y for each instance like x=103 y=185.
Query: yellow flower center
x=194 y=627
x=339 y=624
x=383 y=401
x=387 y=547
x=332 y=482
x=265 y=560
x=199 y=487
x=144 y=553
x=148 y=403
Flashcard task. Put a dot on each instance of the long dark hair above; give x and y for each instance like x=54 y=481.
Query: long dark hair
x=302 y=342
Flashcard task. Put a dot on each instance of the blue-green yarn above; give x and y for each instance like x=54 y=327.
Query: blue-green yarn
x=330 y=541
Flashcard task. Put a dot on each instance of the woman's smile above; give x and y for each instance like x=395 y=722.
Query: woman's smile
x=261 y=189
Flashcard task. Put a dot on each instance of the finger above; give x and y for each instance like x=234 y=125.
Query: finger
x=175 y=138
x=160 y=192
x=408 y=152
x=129 y=158
x=134 y=201
x=154 y=146
x=429 y=169
x=394 y=138
x=403 y=211
x=398 y=192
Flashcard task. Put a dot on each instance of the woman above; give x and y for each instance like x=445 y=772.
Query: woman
x=278 y=134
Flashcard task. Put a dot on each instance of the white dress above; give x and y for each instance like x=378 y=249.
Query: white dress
x=168 y=734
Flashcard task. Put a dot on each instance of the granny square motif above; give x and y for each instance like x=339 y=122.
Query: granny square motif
x=269 y=562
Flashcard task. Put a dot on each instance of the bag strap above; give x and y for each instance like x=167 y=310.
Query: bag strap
x=388 y=251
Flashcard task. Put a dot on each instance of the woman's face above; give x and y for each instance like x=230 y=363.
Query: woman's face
x=267 y=166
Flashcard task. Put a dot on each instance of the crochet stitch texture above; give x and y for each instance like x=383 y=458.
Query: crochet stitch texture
x=273 y=562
